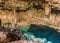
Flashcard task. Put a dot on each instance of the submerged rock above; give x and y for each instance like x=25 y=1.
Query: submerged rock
x=42 y=33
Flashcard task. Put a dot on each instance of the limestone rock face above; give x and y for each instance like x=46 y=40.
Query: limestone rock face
x=24 y=12
x=3 y=37
x=54 y=4
x=14 y=13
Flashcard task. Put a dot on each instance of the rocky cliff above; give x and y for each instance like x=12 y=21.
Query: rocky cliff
x=23 y=12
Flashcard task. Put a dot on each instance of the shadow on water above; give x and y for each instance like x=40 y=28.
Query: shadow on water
x=43 y=31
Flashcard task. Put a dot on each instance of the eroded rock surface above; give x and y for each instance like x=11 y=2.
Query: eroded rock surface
x=17 y=12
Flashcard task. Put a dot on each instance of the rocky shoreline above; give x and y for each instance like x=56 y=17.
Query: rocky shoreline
x=14 y=13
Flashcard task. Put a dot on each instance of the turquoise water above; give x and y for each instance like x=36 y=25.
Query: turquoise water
x=42 y=33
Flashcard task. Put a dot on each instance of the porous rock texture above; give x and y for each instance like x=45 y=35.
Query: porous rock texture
x=24 y=12
x=15 y=13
